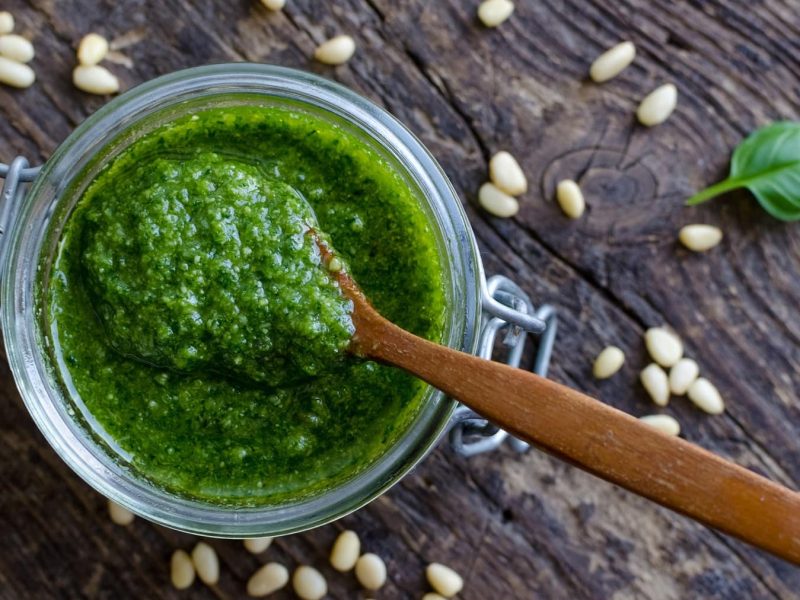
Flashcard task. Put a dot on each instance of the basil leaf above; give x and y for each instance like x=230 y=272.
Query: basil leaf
x=768 y=164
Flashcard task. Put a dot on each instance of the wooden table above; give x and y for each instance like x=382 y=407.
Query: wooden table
x=516 y=526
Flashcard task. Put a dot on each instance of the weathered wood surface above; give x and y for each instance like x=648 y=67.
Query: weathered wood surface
x=516 y=526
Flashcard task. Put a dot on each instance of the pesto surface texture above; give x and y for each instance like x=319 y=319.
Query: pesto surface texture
x=192 y=315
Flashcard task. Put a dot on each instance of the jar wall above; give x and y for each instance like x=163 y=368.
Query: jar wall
x=33 y=242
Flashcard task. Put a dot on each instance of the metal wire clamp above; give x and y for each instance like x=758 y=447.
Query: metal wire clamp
x=471 y=434
x=14 y=174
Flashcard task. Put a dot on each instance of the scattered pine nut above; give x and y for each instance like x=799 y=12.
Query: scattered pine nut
x=664 y=423
x=612 y=62
x=658 y=105
x=700 y=238
x=432 y=596
x=655 y=382
x=16 y=48
x=608 y=362
x=119 y=514
x=496 y=202
x=308 y=583
x=92 y=49
x=181 y=570
x=6 y=22
x=682 y=375
x=371 y=571
x=336 y=51
x=268 y=579
x=493 y=12
x=275 y=5
x=95 y=79
x=570 y=198
x=345 y=552
x=257 y=545
x=663 y=345
x=444 y=579
x=507 y=175
x=206 y=563
x=16 y=74
x=706 y=397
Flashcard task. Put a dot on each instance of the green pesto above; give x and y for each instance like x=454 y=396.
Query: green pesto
x=211 y=268
x=194 y=319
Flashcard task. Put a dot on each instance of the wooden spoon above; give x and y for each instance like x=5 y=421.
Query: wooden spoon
x=600 y=439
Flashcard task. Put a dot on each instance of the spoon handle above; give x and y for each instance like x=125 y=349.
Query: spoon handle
x=603 y=440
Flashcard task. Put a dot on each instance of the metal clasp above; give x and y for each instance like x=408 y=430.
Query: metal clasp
x=507 y=310
x=14 y=174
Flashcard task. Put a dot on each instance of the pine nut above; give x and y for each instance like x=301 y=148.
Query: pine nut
x=700 y=238
x=274 y=4
x=507 y=175
x=181 y=570
x=570 y=198
x=493 y=12
x=345 y=552
x=444 y=579
x=119 y=514
x=432 y=596
x=206 y=563
x=706 y=397
x=654 y=380
x=268 y=579
x=682 y=375
x=92 y=49
x=16 y=74
x=663 y=345
x=6 y=22
x=308 y=583
x=664 y=423
x=336 y=51
x=371 y=571
x=608 y=362
x=257 y=545
x=496 y=202
x=612 y=62
x=16 y=48
x=95 y=79
x=658 y=105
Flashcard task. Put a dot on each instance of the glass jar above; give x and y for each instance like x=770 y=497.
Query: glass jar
x=32 y=223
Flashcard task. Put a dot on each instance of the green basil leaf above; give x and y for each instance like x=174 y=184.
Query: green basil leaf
x=768 y=164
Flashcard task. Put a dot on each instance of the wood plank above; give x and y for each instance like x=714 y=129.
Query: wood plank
x=517 y=526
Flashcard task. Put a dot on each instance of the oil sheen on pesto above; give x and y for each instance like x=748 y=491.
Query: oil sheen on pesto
x=195 y=321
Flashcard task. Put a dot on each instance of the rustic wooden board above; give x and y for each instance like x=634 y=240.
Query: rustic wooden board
x=516 y=526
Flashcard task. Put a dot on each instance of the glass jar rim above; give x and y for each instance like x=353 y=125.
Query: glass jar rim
x=31 y=370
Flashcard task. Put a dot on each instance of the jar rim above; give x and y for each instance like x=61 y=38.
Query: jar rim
x=23 y=339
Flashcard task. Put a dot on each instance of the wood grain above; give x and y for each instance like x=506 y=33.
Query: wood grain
x=516 y=526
